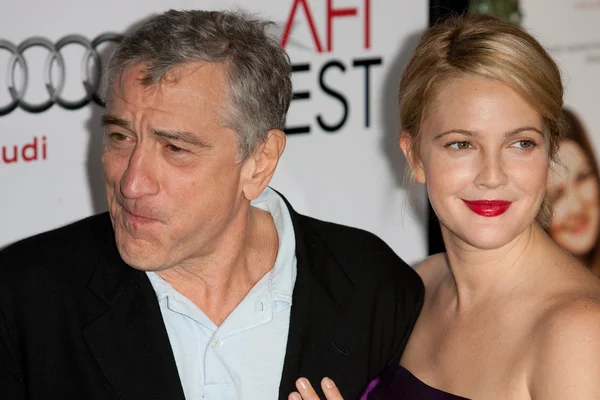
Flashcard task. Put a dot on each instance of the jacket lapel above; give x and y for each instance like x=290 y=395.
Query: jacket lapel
x=321 y=288
x=129 y=340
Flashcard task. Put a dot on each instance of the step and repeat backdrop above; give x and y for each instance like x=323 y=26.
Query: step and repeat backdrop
x=342 y=162
x=569 y=29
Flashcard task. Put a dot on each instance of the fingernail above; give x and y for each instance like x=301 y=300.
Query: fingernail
x=328 y=383
x=295 y=396
x=303 y=383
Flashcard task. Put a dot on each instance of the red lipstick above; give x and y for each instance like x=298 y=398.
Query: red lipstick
x=488 y=208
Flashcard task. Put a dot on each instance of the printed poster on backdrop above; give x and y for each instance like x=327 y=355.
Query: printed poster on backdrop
x=342 y=161
x=569 y=30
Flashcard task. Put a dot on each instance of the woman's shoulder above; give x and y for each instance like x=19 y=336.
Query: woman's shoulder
x=566 y=348
x=572 y=296
x=574 y=306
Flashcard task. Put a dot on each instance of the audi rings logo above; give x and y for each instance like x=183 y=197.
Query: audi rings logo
x=54 y=72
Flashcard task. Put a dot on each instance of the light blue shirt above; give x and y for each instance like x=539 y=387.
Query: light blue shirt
x=243 y=358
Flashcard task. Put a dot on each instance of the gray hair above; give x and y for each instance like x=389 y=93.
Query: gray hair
x=258 y=69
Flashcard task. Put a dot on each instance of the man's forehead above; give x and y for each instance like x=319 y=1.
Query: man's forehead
x=150 y=73
x=198 y=79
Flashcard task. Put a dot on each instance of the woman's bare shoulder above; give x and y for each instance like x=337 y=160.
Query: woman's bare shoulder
x=576 y=298
x=566 y=359
x=571 y=291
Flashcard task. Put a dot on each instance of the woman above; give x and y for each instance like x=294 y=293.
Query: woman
x=573 y=189
x=508 y=314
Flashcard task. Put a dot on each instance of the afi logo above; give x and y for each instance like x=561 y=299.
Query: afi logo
x=331 y=13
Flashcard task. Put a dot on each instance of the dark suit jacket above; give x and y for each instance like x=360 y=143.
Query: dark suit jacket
x=76 y=322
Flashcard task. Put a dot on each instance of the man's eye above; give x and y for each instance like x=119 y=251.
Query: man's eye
x=119 y=137
x=175 y=149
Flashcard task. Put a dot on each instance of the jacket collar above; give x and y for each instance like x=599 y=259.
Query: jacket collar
x=321 y=288
x=129 y=340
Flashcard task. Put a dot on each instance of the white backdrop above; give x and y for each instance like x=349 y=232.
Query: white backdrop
x=347 y=168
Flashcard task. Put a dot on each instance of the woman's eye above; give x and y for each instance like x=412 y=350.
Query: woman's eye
x=584 y=175
x=459 y=145
x=555 y=195
x=524 y=144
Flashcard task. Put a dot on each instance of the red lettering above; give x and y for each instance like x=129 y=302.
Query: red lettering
x=334 y=13
x=32 y=147
x=367 y=24
x=29 y=151
x=15 y=155
x=311 y=24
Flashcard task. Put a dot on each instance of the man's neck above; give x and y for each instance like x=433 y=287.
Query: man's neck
x=218 y=283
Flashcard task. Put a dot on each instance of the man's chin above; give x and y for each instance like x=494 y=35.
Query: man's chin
x=138 y=256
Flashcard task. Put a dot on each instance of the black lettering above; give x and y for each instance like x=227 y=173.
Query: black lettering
x=332 y=93
x=367 y=62
x=299 y=96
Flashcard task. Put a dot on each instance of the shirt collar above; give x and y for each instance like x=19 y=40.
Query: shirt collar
x=282 y=276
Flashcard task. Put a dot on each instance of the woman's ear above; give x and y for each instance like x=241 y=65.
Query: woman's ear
x=406 y=143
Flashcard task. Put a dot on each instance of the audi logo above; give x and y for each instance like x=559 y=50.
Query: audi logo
x=55 y=62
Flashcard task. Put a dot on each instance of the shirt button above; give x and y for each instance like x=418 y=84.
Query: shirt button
x=216 y=344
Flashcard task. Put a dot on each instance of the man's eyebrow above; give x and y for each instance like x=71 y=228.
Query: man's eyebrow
x=182 y=136
x=109 y=119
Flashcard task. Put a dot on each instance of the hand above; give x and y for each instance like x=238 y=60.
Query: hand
x=306 y=391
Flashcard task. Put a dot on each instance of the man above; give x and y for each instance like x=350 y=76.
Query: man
x=200 y=281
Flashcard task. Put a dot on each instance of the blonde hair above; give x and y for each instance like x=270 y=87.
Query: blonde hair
x=489 y=47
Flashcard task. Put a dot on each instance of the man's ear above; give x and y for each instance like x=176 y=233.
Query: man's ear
x=406 y=143
x=260 y=165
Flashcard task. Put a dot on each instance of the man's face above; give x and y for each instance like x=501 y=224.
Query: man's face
x=174 y=188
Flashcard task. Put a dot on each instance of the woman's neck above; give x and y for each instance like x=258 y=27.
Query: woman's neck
x=480 y=275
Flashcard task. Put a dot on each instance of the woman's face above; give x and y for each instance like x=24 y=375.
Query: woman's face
x=484 y=160
x=573 y=191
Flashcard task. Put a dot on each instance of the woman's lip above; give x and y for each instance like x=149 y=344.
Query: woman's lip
x=578 y=225
x=488 y=208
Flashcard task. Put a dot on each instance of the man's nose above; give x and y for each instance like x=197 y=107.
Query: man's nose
x=139 y=178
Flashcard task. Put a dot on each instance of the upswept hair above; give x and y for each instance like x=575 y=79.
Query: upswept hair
x=484 y=46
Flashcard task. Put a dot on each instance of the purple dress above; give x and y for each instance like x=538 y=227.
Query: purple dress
x=398 y=383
